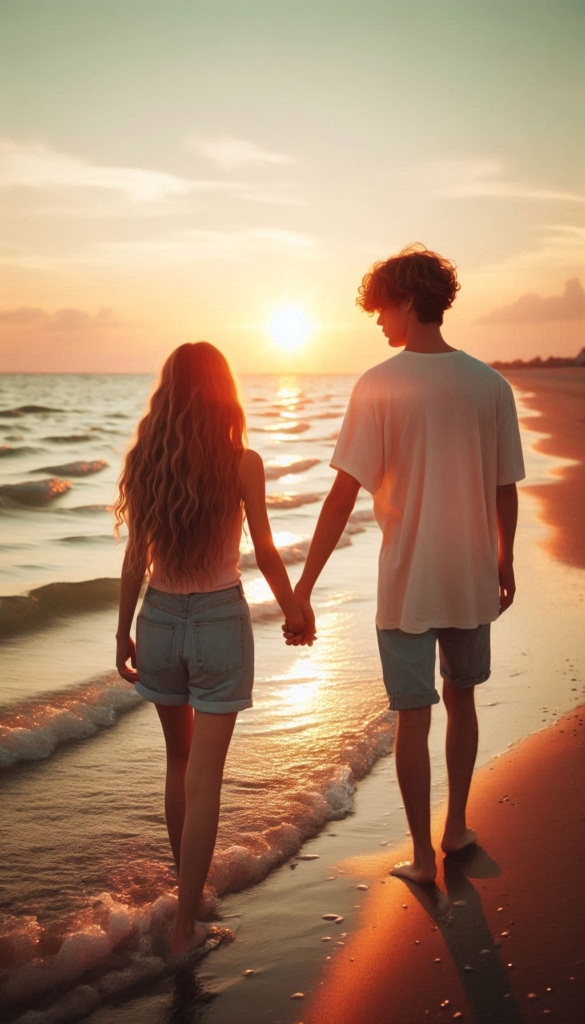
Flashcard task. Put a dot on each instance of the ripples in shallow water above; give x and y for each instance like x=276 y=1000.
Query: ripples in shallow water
x=33 y=492
x=74 y=468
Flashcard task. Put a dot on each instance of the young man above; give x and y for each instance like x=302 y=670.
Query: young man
x=433 y=435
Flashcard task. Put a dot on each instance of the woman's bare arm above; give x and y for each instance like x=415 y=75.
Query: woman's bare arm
x=270 y=564
x=130 y=585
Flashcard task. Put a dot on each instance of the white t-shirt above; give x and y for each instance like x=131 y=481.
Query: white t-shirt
x=431 y=437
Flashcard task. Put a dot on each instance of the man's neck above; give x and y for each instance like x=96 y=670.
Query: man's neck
x=425 y=338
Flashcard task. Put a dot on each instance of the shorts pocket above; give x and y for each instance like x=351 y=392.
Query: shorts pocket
x=154 y=645
x=220 y=645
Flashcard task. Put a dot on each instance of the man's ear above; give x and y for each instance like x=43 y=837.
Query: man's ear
x=408 y=303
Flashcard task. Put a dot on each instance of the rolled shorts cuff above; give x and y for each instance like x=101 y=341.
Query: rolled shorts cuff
x=220 y=707
x=156 y=697
x=409 y=701
x=463 y=683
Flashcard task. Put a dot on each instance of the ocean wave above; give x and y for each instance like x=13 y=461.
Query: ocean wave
x=85 y=509
x=274 y=470
x=23 y=410
x=111 y=945
x=297 y=550
x=24 y=612
x=89 y=538
x=285 y=428
x=35 y=493
x=290 y=499
x=353 y=528
x=321 y=440
x=363 y=515
x=108 y=430
x=68 y=438
x=7 y=450
x=31 y=730
x=91 y=950
x=74 y=468
x=40 y=606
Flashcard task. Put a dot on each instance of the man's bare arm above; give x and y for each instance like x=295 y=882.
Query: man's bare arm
x=507 y=511
x=332 y=521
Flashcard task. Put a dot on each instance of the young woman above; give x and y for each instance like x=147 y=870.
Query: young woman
x=186 y=484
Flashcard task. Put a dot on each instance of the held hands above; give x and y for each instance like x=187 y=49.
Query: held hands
x=507 y=585
x=301 y=631
x=126 y=650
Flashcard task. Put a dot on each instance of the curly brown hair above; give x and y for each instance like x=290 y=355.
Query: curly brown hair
x=417 y=273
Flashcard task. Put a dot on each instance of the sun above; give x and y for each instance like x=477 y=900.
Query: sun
x=289 y=327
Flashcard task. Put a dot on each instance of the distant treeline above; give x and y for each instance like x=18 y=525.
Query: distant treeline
x=538 y=363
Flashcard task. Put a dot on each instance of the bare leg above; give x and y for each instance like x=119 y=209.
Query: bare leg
x=462 y=735
x=413 y=767
x=209 y=747
x=177 y=723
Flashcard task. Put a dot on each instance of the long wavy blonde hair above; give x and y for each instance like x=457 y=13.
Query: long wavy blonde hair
x=179 y=485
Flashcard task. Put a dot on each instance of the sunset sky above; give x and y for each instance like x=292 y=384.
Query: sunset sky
x=172 y=170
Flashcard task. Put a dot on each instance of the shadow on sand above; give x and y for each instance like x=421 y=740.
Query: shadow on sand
x=461 y=921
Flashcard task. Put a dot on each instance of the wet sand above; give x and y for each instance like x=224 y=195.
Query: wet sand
x=500 y=937
x=559 y=396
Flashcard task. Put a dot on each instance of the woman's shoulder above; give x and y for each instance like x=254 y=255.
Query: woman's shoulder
x=251 y=467
x=250 y=460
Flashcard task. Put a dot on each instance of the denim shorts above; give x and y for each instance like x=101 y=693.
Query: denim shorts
x=408 y=662
x=196 y=649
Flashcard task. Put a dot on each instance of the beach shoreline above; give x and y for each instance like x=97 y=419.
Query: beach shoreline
x=557 y=396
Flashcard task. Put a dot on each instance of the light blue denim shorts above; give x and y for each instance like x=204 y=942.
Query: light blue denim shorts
x=408 y=662
x=196 y=649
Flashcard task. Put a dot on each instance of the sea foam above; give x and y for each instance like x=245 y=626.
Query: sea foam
x=31 y=730
x=111 y=945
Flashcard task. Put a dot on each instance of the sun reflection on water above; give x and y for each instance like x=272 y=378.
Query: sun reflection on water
x=287 y=396
x=258 y=591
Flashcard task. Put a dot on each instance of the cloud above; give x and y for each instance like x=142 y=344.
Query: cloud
x=25 y=316
x=230 y=153
x=187 y=246
x=67 y=319
x=480 y=178
x=561 y=246
x=72 y=184
x=34 y=165
x=174 y=247
x=535 y=309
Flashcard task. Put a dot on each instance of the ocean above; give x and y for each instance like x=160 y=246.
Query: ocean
x=86 y=890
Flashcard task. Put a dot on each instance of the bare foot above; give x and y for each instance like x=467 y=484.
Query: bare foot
x=413 y=871
x=454 y=841
x=185 y=942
